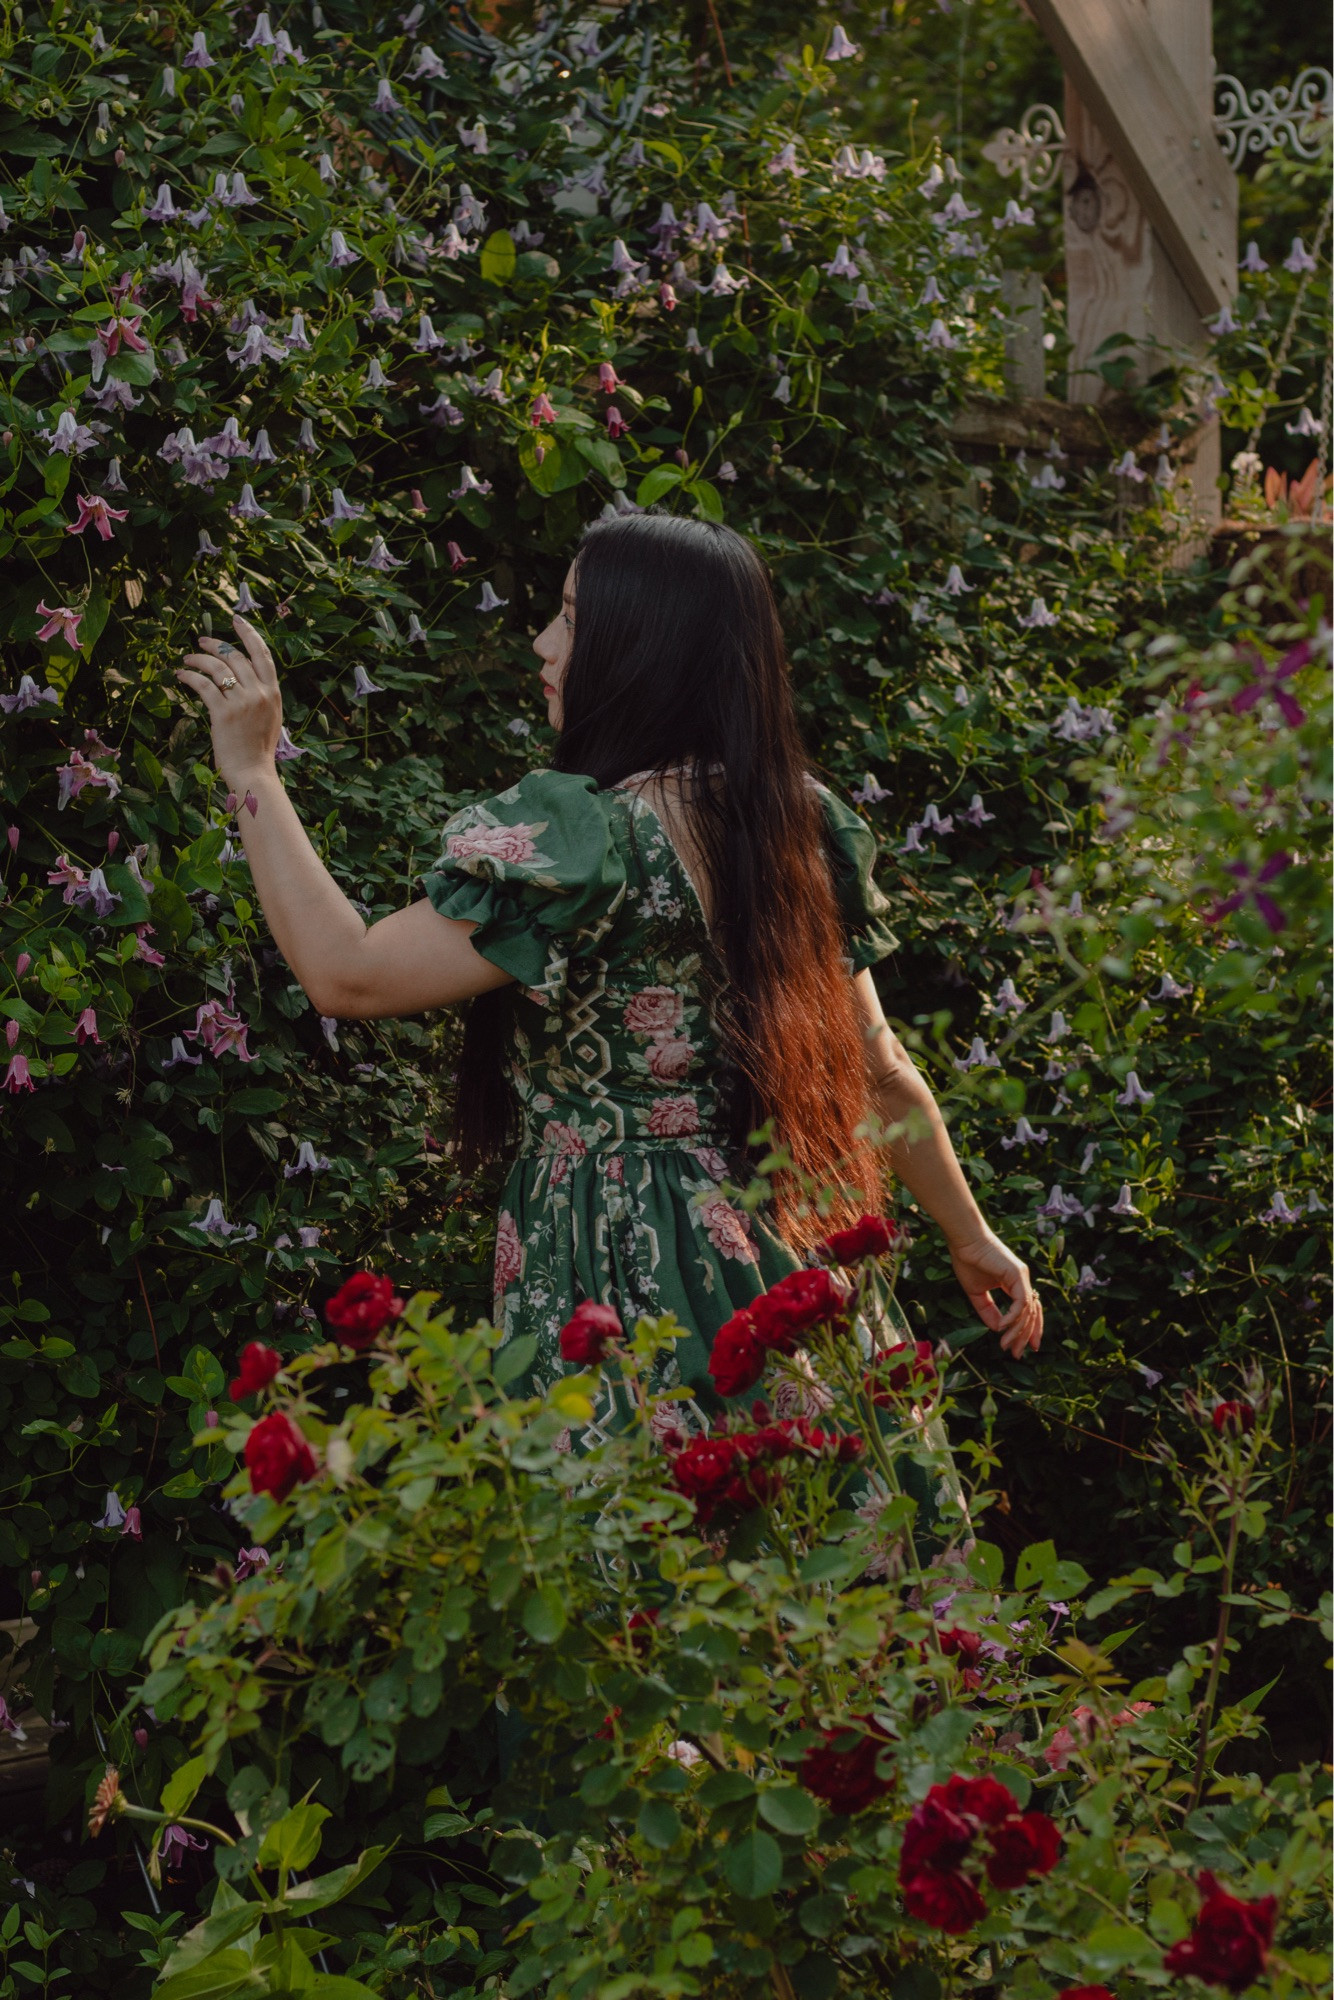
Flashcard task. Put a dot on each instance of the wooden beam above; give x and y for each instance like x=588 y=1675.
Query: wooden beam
x=1163 y=139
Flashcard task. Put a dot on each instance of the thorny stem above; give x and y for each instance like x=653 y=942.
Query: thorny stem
x=1216 y=1659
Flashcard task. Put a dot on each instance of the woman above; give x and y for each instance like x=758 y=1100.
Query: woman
x=665 y=939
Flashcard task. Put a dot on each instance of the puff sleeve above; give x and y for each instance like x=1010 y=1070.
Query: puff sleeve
x=537 y=871
x=864 y=908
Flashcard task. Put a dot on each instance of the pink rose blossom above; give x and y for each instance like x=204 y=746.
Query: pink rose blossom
x=669 y=1058
x=726 y=1230
x=563 y=1140
x=493 y=843
x=712 y=1161
x=655 y=1011
x=673 y=1117
x=509 y=1253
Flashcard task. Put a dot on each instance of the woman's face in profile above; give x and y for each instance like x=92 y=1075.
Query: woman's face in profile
x=552 y=646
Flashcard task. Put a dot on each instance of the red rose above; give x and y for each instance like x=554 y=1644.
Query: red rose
x=985 y=1798
x=869 y=1237
x=1238 y=1418
x=731 y=1472
x=953 y=1640
x=948 y=1901
x=937 y=1837
x=795 y=1304
x=641 y=1627
x=1027 y=1845
x=846 y=1778
x=737 y=1361
x=278 y=1456
x=588 y=1331
x=1229 y=1944
x=361 y=1307
x=259 y=1365
x=905 y=1370
x=850 y=1448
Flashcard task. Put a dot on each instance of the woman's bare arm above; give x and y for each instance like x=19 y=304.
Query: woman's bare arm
x=926 y=1163
x=408 y=962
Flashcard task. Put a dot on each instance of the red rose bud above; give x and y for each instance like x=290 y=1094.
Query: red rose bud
x=1229 y=1943
x=277 y=1456
x=947 y=1901
x=842 y=1769
x=803 y=1300
x=1235 y=1418
x=1029 y=1844
x=965 y=1646
x=585 y=1336
x=895 y=1372
x=737 y=1361
x=850 y=1448
x=361 y=1308
x=259 y=1365
x=641 y=1627
x=869 y=1237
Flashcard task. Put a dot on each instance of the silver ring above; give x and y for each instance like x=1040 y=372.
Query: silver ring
x=228 y=684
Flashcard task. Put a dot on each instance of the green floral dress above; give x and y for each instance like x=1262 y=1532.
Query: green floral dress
x=616 y=1193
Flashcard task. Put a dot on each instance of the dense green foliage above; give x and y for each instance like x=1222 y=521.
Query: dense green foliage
x=161 y=1213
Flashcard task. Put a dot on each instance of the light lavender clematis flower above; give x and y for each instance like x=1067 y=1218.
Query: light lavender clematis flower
x=939 y=336
x=933 y=821
x=305 y=437
x=1038 y=616
x=10 y=1726
x=1077 y=724
x=840 y=48
x=1007 y=1001
x=375 y=377
x=384 y=100
x=1088 y=1156
x=427 y=65
x=1059 y=1028
x=842 y=264
x=1048 y=480
x=931 y=292
x=428 y=340
x=1222 y=322
x=1126 y=468
x=869 y=792
x=782 y=389
x=207 y=545
x=1024 y=1135
x=453 y=245
x=245 y=602
x=1279 y=1210
x=329 y=1029
x=308 y=1236
x=381 y=308
x=1089 y=1281
x=979 y=1056
x=1134 y=1092
x=198 y=57
x=474 y=137
x=1060 y=1206
x=113 y=1514
x=28 y=695
x=444 y=414
x=1305 y=426
x=247 y=508
x=1299 y=258
x=974 y=813
x=417 y=632
x=954 y=585
x=260 y=36
x=1123 y=1205
x=238 y=195
x=342 y=509
x=488 y=601
x=527 y=238
x=326 y=170
x=469 y=212
x=469 y=483
x=102 y=899
x=286 y=749
x=379 y=557
x=69 y=435
x=339 y=254
x=724 y=283
x=180 y=1054
x=308 y=1161
x=284 y=50
x=261 y=451
x=249 y=1562
x=296 y=335
x=785 y=160
x=363 y=685
x=164 y=207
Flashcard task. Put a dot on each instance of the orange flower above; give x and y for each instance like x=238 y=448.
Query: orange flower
x=108 y=1801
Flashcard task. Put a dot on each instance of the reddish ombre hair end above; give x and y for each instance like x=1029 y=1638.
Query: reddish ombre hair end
x=678 y=663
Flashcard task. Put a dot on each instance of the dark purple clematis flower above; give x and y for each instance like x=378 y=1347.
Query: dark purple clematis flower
x=1253 y=889
x=1268 y=683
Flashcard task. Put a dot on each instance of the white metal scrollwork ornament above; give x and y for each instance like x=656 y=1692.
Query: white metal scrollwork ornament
x=1295 y=116
x=1034 y=147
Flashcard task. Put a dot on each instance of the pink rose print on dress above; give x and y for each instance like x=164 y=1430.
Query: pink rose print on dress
x=673 y=1117
x=493 y=843
x=726 y=1230
x=669 y=1058
x=655 y=1011
x=712 y=1161
x=509 y=1253
x=565 y=1143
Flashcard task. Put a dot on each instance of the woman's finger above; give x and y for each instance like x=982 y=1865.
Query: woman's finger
x=206 y=688
x=257 y=651
x=986 y=1309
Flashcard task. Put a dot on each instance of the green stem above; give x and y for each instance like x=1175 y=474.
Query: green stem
x=1216 y=1659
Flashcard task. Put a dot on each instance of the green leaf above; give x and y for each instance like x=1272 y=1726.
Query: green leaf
x=986 y=1563
x=659 y=1823
x=179 y=1791
x=445 y=1825
x=514 y=1359
x=708 y=500
x=544 y=1616
x=326 y=1889
x=603 y=456
x=1035 y=1563
x=654 y=484
x=496 y=262
x=753 y=1865
x=788 y=1809
x=221 y=1974
x=293 y=1841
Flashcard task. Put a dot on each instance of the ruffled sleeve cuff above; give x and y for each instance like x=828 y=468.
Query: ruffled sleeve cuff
x=862 y=905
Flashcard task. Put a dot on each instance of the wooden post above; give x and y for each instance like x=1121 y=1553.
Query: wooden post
x=1150 y=201
x=1025 y=357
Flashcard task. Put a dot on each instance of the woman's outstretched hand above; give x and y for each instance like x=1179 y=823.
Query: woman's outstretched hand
x=984 y=1264
x=239 y=687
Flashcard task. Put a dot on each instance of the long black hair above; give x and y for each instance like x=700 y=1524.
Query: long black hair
x=678 y=663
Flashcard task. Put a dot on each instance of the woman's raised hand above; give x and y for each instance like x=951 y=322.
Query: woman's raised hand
x=984 y=1264
x=239 y=687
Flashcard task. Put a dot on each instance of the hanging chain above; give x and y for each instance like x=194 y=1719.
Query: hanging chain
x=1281 y=358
